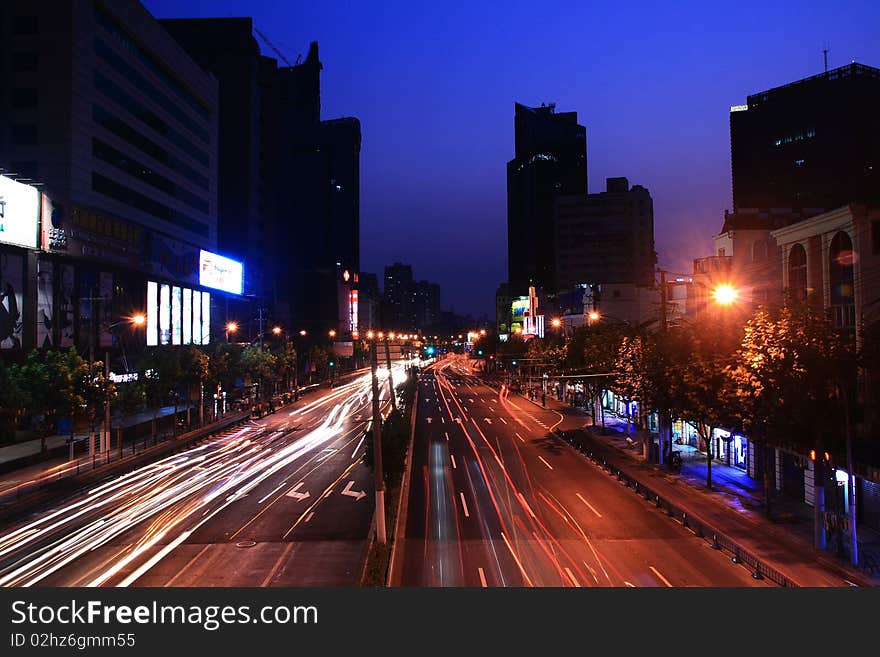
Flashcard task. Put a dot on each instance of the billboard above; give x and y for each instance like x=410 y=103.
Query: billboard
x=518 y=308
x=220 y=273
x=19 y=212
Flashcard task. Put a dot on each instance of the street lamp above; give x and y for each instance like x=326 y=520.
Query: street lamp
x=303 y=333
x=725 y=294
x=276 y=330
x=331 y=333
x=231 y=327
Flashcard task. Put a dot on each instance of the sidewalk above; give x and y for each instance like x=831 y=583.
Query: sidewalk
x=734 y=506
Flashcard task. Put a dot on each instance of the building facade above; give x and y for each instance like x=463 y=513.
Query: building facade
x=550 y=160
x=814 y=143
x=119 y=128
x=606 y=237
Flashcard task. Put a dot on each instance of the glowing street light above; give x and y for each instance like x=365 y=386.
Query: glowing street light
x=331 y=333
x=370 y=335
x=594 y=316
x=138 y=319
x=556 y=322
x=276 y=330
x=303 y=333
x=724 y=294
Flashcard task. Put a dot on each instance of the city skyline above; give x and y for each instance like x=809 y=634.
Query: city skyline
x=430 y=109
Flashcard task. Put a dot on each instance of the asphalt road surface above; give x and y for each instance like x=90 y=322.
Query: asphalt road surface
x=497 y=500
x=281 y=501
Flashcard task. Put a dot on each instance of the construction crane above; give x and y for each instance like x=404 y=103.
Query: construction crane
x=272 y=46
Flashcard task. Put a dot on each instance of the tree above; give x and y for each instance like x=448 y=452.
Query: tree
x=395 y=440
x=788 y=366
x=259 y=364
x=702 y=392
x=196 y=370
x=287 y=364
x=162 y=372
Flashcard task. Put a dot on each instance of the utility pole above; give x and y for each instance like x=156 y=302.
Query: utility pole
x=390 y=378
x=260 y=326
x=107 y=427
x=377 y=450
x=664 y=415
x=850 y=482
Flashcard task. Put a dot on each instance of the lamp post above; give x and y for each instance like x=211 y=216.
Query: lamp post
x=231 y=327
x=377 y=449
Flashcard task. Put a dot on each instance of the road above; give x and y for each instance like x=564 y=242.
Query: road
x=497 y=500
x=282 y=501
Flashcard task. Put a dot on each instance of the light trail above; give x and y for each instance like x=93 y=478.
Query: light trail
x=166 y=501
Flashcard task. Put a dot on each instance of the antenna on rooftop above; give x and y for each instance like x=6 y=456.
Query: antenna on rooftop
x=272 y=46
x=825 y=56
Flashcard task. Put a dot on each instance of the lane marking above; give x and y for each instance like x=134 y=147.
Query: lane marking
x=278 y=564
x=446 y=434
x=464 y=506
x=275 y=490
x=571 y=577
x=482 y=578
x=453 y=461
x=361 y=442
x=522 y=440
x=516 y=558
x=526 y=505
x=657 y=573
x=588 y=504
x=630 y=584
x=309 y=517
x=545 y=462
x=503 y=420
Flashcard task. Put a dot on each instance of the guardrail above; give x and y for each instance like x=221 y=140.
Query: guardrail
x=719 y=541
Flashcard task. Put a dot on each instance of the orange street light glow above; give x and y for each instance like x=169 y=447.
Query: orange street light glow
x=370 y=335
x=556 y=322
x=276 y=330
x=303 y=332
x=331 y=333
x=724 y=294
x=594 y=316
x=138 y=320
x=232 y=327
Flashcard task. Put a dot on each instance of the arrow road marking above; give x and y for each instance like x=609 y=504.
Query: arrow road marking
x=355 y=494
x=488 y=421
x=299 y=497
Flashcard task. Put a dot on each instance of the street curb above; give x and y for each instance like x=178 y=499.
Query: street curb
x=393 y=578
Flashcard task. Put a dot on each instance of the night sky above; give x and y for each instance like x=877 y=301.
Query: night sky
x=434 y=88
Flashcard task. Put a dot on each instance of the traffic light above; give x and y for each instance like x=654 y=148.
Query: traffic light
x=332 y=363
x=429 y=351
x=513 y=363
x=479 y=352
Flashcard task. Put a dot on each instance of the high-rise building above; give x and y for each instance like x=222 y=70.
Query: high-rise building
x=811 y=144
x=426 y=305
x=370 y=301
x=318 y=229
x=119 y=126
x=398 y=296
x=606 y=237
x=550 y=160
x=227 y=48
